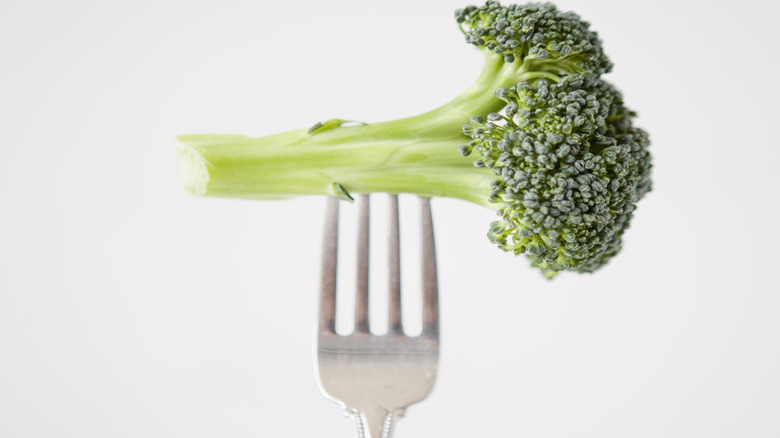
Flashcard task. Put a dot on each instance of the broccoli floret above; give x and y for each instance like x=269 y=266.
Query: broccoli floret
x=569 y=168
x=559 y=159
x=554 y=41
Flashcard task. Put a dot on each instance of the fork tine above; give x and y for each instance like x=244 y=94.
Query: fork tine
x=394 y=273
x=327 y=317
x=430 y=282
x=361 y=300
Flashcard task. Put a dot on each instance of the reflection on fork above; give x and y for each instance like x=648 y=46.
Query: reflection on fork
x=374 y=378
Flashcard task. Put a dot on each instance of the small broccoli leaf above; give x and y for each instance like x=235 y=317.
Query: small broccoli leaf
x=331 y=124
x=341 y=192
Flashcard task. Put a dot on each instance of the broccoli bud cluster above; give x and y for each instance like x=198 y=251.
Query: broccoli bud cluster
x=569 y=167
x=535 y=32
x=568 y=163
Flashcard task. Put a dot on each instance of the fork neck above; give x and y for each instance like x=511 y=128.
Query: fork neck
x=374 y=422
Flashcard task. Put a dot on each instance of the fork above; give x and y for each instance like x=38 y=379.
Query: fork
x=375 y=378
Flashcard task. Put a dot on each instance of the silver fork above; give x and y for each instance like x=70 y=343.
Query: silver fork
x=375 y=378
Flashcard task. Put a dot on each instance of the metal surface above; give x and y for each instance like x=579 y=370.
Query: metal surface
x=375 y=378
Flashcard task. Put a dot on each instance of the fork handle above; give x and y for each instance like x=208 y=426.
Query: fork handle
x=374 y=422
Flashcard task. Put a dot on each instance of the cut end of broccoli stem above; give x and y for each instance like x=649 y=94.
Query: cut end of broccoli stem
x=194 y=174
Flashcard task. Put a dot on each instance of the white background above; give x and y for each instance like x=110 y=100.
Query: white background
x=129 y=308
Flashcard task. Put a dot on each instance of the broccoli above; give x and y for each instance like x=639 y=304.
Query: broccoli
x=556 y=153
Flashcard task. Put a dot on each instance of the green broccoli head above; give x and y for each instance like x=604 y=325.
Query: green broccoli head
x=554 y=41
x=570 y=167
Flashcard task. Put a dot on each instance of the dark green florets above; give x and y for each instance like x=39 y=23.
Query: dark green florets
x=559 y=42
x=570 y=168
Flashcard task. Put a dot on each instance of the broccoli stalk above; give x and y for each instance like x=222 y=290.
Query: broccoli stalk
x=559 y=159
x=412 y=155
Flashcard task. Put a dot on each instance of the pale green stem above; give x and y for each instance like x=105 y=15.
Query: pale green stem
x=413 y=155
